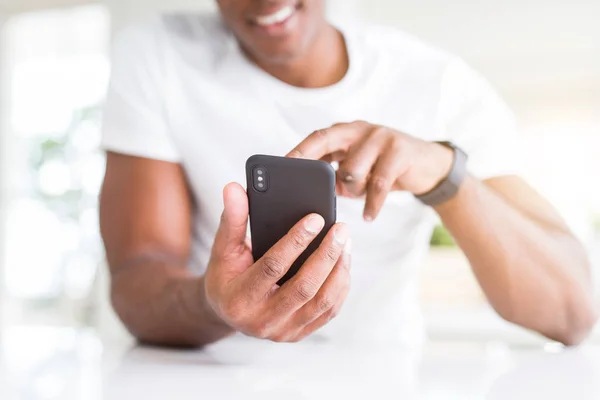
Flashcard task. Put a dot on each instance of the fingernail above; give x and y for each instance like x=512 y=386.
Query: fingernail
x=348 y=255
x=314 y=224
x=368 y=218
x=348 y=247
x=341 y=235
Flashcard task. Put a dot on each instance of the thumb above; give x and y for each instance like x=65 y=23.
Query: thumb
x=231 y=236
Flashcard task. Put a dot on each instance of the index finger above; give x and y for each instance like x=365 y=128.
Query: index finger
x=324 y=142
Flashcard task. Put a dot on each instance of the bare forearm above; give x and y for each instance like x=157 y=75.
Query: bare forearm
x=533 y=275
x=163 y=304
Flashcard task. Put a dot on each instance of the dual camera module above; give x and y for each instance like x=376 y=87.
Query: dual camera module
x=260 y=178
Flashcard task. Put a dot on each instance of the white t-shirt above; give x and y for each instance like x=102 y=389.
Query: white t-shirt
x=183 y=92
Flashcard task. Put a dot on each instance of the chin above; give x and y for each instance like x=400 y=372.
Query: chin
x=281 y=50
x=280 y=56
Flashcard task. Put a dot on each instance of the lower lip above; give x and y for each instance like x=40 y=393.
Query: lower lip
x=279 y=29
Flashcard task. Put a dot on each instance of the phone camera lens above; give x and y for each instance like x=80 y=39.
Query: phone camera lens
x=261 y=179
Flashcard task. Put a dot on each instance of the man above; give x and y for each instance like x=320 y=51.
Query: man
x=192 y=97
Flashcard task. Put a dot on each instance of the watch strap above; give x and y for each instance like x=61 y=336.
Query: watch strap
x=449 y=186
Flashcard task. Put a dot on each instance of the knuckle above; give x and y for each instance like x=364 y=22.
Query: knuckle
x=330 y=254
x=333 y=313
x=305 y=290
x=294 y=339
x=296 y=153
x=320 y=134
x=283 y=338
x=272 y=267
x=353 y=173
x=285 y=304
x=260 y=331
x=297 y=239
x=324 y=303
x=380 y=131
x=379 y=184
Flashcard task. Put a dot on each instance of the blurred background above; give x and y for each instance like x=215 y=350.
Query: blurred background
x=542 y=56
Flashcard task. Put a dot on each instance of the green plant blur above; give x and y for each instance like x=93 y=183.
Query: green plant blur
x=441 y=237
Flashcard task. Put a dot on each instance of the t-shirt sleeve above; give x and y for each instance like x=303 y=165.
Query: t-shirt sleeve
x=475 y=118
x=134 y=121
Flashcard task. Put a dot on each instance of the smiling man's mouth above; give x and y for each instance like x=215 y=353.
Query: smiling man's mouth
x=277 y=17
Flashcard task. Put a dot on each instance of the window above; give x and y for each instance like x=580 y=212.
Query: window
x=57 y=70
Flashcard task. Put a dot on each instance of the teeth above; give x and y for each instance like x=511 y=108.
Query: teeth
x=277 y=17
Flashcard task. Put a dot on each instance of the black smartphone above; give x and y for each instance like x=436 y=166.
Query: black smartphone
x=282 y=191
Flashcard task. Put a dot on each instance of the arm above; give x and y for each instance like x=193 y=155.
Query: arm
x=145 y=214
x=532 y=269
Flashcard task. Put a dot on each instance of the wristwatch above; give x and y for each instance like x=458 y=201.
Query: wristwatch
x=448 y=187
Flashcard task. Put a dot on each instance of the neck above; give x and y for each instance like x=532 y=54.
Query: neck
x=326 y=63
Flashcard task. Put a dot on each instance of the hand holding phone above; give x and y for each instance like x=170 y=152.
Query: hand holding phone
x=244 y=294
x=281 y=191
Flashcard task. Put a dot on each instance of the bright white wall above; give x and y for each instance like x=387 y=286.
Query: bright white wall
x=12 y=6
x=542 y=51
x=3 y=164
x=125 y=11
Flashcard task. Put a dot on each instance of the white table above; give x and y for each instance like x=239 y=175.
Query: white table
x=46 y=363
